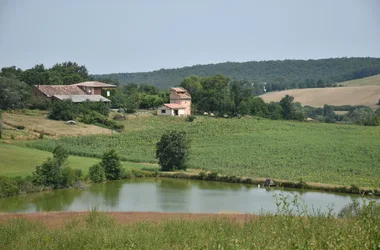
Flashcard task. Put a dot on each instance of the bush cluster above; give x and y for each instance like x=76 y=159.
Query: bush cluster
x=87 y=112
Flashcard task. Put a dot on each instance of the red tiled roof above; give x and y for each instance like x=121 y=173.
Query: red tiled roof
x=179 y=89
x=50 y=90
x=95 y=84
x=174 y=106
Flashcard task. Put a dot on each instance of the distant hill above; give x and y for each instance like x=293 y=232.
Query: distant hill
x=372 y=80
x=317 y=97
x=280 y=74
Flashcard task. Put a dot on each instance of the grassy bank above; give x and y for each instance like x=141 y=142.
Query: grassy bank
x=101 y=231
x=20 y=161
x=325 y=153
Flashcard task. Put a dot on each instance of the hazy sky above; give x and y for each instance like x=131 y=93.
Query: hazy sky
x=144 y=35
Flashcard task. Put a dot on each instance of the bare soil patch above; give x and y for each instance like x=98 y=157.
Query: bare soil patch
x=59 y=219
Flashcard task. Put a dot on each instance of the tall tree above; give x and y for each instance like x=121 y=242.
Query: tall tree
x=288 y=109
x=172 y=151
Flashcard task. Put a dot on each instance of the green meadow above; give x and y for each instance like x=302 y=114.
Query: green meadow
x=254 y=147
x=21 y=161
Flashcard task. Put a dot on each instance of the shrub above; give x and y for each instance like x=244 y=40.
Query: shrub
x=111 y=165
x=118 y=117
x=190 y=118
x=71 y=176
x=40 y=103
x=172 y=151
x=96 y=173
x=64 y=110
x=20 y=127
x=8 y=187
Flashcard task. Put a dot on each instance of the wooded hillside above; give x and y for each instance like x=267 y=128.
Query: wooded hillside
x=278 y=75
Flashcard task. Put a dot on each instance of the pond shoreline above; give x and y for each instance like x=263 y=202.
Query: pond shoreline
x=209 y=176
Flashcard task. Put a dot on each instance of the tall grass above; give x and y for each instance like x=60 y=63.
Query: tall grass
x=270 y=231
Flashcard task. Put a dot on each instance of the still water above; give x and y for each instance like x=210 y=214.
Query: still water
x=169 y=195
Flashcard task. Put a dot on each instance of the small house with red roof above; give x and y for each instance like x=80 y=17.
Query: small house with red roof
x=180 y=103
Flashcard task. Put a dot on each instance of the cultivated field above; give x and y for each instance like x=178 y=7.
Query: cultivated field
x=372 y=80
x=18 y=161
x=254 y=147
x=317 y=97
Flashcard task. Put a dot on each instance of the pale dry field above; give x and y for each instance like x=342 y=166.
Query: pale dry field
x=317 y=97
x=372 y=80
x=34 y=125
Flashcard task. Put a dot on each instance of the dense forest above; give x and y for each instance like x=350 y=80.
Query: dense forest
x=278 y=75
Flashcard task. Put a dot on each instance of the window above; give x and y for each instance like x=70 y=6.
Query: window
x=163 y=111
x=108 y=93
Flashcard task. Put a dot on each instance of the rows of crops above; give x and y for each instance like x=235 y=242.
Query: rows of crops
x=327 y=153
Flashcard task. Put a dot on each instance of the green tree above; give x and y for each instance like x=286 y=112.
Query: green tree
x=172 y=151
x=96 y=173
x=275 y=111
x=1 y=123
x=51 y=173
x=13 y=93
x=288 y=109
x=111 y=165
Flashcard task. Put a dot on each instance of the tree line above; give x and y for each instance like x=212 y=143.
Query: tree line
x=278 y=75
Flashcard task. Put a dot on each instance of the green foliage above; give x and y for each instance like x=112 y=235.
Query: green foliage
x=278 y=75
x=190 y=118
x=60 y=154
x=60 y=73
x=172 y=151
x=54 y=173
x=49 y=174
x=40 y=103
x=8 y=187
x=87 y=112
x=14 y=93
x=357 y=210
x=64 y=110
x=111 y=165
x=96 y=173
x=288 y=109
x=1 y=124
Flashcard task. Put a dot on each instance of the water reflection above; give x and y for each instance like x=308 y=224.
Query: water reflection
x=168 y=195
x=173 y=195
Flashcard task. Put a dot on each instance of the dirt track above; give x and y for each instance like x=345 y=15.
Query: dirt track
x=58 y=219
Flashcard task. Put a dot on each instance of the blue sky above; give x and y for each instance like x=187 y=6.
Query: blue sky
x=144 y=35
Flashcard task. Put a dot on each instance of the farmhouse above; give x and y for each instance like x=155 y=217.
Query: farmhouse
x=180 y=103
x=79 y=92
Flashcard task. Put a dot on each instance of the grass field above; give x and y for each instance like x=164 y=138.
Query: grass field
x=36 y=123
x=254 y=147
x=18 y=161
x=372 y=80
x=101 y=231
x=318 y=97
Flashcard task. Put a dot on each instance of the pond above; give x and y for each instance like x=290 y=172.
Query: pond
x=169 y=195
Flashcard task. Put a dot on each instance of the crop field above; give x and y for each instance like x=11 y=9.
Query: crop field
x=254 y=147
x=318 y=97
x=18 y=161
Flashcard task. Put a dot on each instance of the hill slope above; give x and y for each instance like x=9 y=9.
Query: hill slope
x=285 y=73
x=372 y=80
x=317 y=97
